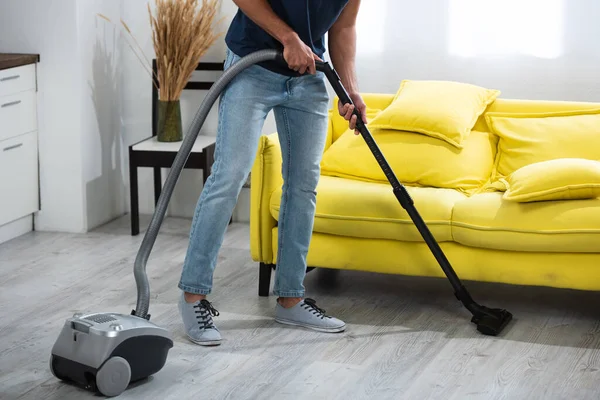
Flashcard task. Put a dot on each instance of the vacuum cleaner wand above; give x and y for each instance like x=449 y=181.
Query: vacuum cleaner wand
x=489 y=321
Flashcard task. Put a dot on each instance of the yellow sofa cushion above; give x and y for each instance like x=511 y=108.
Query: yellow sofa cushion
x=558 y=179
x=348 y=207
x=528 y=138
x=470 y=263
x=416 y=160
x=486 y=220
x=441 y=109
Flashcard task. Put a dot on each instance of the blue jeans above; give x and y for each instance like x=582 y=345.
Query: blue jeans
x=300 y=106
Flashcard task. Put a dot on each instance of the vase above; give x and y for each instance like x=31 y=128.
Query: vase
x=169 y=127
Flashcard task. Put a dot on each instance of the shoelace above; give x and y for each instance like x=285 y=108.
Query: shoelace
x=311 y=305
x=204 y=313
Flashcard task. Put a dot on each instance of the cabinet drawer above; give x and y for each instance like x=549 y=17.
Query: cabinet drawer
x=17 y=114
x=18 y=79
x=18 y=177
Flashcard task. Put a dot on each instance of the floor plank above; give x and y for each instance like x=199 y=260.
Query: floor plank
x=407 y=338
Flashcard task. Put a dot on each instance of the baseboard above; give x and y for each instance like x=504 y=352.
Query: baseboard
x=16 y=228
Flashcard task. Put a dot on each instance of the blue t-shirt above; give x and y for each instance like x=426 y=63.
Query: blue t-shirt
x=310 y=19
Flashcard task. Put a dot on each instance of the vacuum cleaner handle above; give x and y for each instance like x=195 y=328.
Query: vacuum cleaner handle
x=335 y=82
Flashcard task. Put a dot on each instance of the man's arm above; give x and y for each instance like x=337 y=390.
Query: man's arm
x=296 y=53
x=342 y=45
x=342 y=50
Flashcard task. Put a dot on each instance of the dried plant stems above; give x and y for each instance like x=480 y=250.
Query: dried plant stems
x=182 y=32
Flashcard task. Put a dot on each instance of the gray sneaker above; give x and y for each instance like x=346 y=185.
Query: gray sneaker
x=198 y=322
x=307 y=315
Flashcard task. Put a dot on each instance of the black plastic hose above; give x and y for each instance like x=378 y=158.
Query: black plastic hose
x=139 y=269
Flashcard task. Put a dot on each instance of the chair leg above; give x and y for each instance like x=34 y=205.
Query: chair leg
x=157 y=184
x=133 y=196
x=264 y=279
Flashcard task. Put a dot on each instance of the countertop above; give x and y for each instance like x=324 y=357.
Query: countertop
x=11 y=60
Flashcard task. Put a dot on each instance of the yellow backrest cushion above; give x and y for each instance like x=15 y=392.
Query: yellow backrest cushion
x=443 y=110
x=417 y=160
x=528 y=138
x=380 y=101
x=558 y=179
x=522 y=106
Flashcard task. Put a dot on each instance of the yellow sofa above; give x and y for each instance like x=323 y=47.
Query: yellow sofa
x=359 y=224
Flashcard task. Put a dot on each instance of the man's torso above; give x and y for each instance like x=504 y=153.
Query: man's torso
x=310 y=19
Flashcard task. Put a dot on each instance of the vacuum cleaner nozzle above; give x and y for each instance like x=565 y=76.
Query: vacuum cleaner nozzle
x=491 y=321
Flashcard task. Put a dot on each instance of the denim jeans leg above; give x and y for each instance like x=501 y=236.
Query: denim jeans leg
x=302 y=126
x=243 y=108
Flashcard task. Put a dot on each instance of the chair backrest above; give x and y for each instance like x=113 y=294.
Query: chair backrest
x=191 y=85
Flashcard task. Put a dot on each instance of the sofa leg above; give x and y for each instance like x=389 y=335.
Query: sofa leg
x=264 y=279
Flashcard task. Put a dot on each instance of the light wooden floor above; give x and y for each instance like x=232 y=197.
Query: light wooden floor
x=407 y=338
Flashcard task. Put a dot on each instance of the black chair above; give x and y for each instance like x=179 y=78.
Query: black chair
x=150 y=153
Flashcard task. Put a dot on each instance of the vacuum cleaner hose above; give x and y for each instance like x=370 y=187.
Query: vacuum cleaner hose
x=489 y=321
x=141 y=278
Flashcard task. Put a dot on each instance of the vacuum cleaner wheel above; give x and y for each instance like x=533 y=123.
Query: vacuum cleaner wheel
x=113 y=377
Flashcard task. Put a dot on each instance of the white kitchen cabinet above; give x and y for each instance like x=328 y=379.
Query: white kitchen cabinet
x=19 y=170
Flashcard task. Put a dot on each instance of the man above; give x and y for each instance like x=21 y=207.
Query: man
x=297 y=95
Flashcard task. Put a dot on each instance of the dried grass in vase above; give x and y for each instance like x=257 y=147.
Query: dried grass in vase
x=182 y=32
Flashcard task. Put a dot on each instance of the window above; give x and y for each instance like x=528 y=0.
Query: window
x=489 y=28
x=370 y=27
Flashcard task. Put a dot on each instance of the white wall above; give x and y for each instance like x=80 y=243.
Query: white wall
x=492 y=43
x=102 y=150
x=95 y=98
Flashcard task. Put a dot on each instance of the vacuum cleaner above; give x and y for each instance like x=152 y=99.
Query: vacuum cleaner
x=107 y=351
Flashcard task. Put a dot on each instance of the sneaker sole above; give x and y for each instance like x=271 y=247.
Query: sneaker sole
x=204 y=342
x=312 y=327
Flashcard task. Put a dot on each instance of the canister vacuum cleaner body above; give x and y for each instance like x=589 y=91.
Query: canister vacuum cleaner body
x=106 y=352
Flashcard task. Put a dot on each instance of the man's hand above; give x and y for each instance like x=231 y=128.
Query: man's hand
x=298 y=55
x=347 y=111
